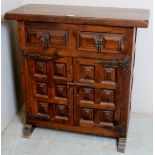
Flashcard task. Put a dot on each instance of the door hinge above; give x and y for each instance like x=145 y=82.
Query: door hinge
x=39 y=57
x=124 y=63
x=30 y=116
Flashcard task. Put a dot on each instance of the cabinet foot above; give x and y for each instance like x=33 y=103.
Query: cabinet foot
x=121 y=144
x=27 y=130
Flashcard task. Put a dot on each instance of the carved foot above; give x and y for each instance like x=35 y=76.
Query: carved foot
x=27 y=130
x=121 y=145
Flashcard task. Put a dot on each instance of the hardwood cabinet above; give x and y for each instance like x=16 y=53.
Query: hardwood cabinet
x=77 y=66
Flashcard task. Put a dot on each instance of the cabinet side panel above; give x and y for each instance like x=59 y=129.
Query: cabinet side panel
x=24 y=67
x=125 y=83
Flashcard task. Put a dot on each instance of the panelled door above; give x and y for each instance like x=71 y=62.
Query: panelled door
x=74 y=91
x=94 y=94
x=51 y=98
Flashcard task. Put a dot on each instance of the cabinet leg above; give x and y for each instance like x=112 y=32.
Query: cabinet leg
x=121 y=144
x=27 y=130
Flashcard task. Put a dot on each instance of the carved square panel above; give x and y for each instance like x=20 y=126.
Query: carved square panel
x=61 y=91
x=87 y=114
x=87 y=72
x=107 y=95
x=87 y=94
x=61 y=110
x=107 y=116
x=40 y=67
x=60 y=69
x=108 y=74
x=114 y=42
x=42 y=88
x=43 y=108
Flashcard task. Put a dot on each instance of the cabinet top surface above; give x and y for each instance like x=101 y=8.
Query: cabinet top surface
x=81 y=15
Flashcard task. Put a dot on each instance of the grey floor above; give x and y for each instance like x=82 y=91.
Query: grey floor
x=52 y=142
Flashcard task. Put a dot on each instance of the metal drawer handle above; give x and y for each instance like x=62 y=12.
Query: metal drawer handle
x=99 y=41
x=45 y=39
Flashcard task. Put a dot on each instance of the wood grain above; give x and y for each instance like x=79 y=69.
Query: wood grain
x=81 y=15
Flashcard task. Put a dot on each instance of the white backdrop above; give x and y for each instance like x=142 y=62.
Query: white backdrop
x=143 y=79
x=8 y=100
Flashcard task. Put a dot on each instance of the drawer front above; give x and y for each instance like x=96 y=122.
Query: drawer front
x=76 y=40
x=101 y=42
x=45 y=37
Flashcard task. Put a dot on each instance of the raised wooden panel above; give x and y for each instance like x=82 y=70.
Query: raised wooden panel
x=61 y=112
x=87 y=114
x=41 y=88
x=107 y=95
x=106 y=42
x=43 y=108
x=61 y=91
x=106 y=116
x=60 y=69
x=108 y=74
x=86 y=94
x=45 y=37
x=87 y=72
x=40 y=67
x=114 y=42
x=86 y=40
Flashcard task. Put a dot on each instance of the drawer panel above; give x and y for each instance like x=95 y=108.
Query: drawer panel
x=46 y=37
x=101 y=42
x=76 y=40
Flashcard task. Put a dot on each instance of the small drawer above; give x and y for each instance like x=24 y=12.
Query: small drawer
x=46 y=38
x=101 y=42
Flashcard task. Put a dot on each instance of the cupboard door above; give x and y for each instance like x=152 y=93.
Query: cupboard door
x=95 y=101
x=51 y=97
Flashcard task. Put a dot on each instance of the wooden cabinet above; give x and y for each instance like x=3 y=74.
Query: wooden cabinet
x=77 y=67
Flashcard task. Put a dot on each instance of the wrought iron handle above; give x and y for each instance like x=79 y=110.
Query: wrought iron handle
x=41 y=57
x=99 y=41
x=45 y=39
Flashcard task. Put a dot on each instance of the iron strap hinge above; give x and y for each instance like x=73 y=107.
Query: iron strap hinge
x=40 y=57
x=30 y=116
x=124 y=63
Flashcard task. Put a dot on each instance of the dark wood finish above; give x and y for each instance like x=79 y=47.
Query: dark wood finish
x=77 y=70
x=81 y=15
